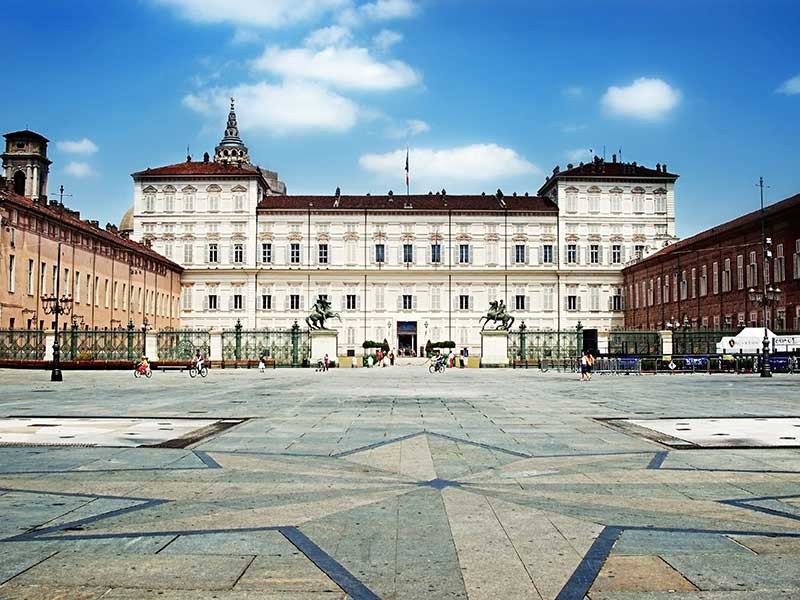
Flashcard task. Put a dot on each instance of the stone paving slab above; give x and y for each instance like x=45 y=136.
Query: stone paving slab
x=395 y=485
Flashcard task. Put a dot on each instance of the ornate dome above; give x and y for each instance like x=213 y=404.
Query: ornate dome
x=126 y=222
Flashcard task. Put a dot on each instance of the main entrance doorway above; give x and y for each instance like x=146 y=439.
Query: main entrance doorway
x=406 y=338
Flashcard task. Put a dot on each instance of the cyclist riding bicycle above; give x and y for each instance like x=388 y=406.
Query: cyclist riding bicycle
x=143 y=364
x=199 y=360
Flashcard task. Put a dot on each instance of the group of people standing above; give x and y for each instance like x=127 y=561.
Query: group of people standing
x=383 y=359
x=587 y=364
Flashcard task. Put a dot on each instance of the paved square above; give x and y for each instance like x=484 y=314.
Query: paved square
x=397 y=484
x=743 y=432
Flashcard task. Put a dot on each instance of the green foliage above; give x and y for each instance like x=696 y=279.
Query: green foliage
x=447 y=344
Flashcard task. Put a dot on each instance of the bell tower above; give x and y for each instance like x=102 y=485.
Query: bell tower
x=231 y=148
x=25 y=163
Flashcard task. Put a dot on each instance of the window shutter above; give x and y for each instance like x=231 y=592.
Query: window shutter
x=555 y=253
x=455 y=301
x=622 y=254
x=600 y=254
x=427 y=255
x=358 y=301
x=206 y=257
x=244 y=301
x=400 y=302
x=230 y=302
x=414 y=302
x=330 y=253
x=578 y=303
x=471 y=303
x=469 y=253
x=529 y=303
x=288 y=253
x=286 y=302
x=205 y=302
x=230 y=253
x=302 y=301
x=400 y=254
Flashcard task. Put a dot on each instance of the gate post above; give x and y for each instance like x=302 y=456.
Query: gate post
x=237 y=348
x=523 y=354
x=73 y=340
x=130 y=340
x=295 y=344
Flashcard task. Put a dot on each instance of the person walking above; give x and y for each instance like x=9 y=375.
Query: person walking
x=391 y=358
x=325 y=363
x=584 y=366
x=589 y=365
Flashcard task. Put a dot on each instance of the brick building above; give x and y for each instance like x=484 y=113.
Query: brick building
x=111 y=279
x=704 y=280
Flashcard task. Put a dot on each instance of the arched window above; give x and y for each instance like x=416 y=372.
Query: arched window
x=19 y=183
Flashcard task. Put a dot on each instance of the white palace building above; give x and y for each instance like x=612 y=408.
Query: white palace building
x=404 y=268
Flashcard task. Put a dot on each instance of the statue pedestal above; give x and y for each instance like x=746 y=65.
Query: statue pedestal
x=494 y=348
x=323 y=341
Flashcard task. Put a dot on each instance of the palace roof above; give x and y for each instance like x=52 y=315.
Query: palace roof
x=201 y=168
x=70 y=218
x=416 y=202
x=600 y=169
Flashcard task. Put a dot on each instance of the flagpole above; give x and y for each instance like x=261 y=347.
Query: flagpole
x=408 y=180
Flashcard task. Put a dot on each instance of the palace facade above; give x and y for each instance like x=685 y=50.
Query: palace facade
x=111 y=280
x=705 y=280
x=403 y=268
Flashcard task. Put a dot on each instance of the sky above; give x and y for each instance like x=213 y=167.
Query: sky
x=486 y=94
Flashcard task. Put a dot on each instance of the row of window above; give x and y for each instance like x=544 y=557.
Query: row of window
x=593 y=254
x=691 y=283
x=188 y=203
x=638 y=205
x=72 y=284
x=237 y=301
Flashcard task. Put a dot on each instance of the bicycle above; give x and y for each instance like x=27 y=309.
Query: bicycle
x=194 y=372
x=436 y=367
x=138 y=372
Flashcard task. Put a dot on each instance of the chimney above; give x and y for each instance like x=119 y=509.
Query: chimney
x=664 y=168
x=658 y=167
x=556 y=169
x=569 y=165
x=613 y=158
x=206 y=157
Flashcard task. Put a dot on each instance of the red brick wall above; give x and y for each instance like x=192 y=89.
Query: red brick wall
x=782 y=225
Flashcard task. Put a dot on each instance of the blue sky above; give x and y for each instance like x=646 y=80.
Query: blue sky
x=487 y=93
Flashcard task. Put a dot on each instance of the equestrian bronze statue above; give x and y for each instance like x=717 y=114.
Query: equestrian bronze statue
x=497 y=314
x=321 y=312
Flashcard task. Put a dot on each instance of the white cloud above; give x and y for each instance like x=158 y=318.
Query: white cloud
x=379 y=10
x=253 y=13
x=81 y=146
x=446 y=166
x=409 y=128
x=572 y=127
x=335 y=35
x=79 y=169
x=573 y=91
x=245 y=36
x=577 y=155
x=348 y=68
x=386 y=39
x=289 y=107
x=790 y=87
x=646 y=98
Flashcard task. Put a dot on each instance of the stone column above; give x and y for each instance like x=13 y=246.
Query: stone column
x=324 y=341
x=49 y=340
x=666 y=342
x=151 y=346
x=28 y=180
x=215 y=350
x=35 y=183
x=494 y=348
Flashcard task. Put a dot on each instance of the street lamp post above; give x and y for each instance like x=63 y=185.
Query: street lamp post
x=145 y=327
x=57 y=304
x=766 y=299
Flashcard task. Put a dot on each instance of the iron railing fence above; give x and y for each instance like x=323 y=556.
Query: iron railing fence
x=22 y=344
x=628 y=343
x=555 y=346
x=286 y=347
x=101 y=344
x=182 y=344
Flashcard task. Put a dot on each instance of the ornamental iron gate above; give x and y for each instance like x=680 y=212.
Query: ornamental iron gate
x=638 y=343
x=101 y=344
x=287 y=347
x=525 y=344
x=181 y=344
x=21 y=344
x=698 y=341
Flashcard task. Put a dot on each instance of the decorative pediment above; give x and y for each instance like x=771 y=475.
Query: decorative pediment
x=168 y=236
x=407 y=237
x=378 y=235
x=637 y=190
x=238 y=188
x=572 y=190
x=492 y=237
x=571 y=237
x=323 y=237
x=594 y=237
x=519 y=237
x=639 y=237
x=238 y=237
x=295 y=237
x=548 y=237
x=212 y=236
x=464 y=237
x=169 y=189
x=435 y=237
x=594 y=190
x=189 y=189
x=660 y=191
x=149 y=190
x=266 y=236
x=616 y=190
x=617 y=238
x=213 y=188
